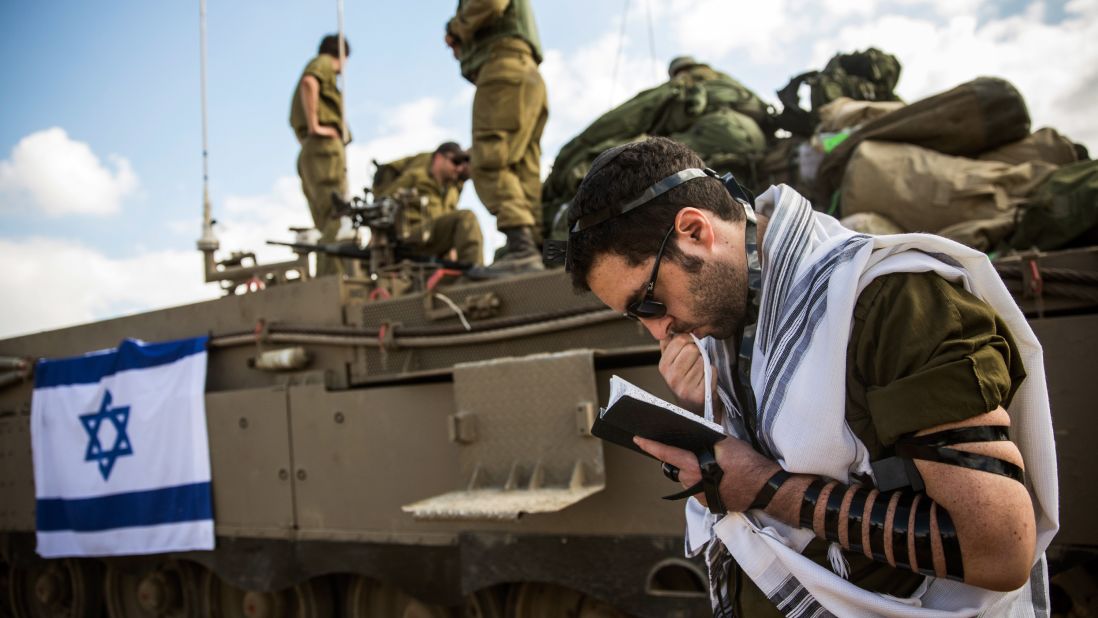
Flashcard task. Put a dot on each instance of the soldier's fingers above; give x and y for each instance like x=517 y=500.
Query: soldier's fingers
x=684 y=460
x=677 y=351
x=689 y=368
x=677 y=342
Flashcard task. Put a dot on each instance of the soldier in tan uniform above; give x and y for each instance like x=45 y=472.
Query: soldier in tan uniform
x=438 y=177
x=317 y=121
x=498 y=45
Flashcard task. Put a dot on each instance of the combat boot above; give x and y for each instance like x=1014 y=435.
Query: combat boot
x=520 y=254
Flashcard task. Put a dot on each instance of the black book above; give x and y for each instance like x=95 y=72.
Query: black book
x=632 y=411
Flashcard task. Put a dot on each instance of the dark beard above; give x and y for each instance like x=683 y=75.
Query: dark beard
x=720 y=294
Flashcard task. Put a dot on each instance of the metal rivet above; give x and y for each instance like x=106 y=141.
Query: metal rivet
x=301 y=475
x=243 y=423
x=283 y=474
x=339 y=417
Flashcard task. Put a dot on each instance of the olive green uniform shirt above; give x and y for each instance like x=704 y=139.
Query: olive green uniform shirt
x=417 y=175
x=329 y=99
x=922 y=352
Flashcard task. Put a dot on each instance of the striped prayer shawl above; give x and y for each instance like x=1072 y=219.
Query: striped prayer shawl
x=813 y=272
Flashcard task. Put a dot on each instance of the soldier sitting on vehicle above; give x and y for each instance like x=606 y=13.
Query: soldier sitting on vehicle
x=436 y=177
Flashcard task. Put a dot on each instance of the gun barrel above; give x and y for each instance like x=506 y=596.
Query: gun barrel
x=364 y=254
x=347 y=251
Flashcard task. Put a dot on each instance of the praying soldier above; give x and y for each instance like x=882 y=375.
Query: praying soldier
x=890 y=446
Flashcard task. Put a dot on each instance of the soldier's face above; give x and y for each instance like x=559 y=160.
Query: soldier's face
x=702 y=292
x=455 y=169
x=705 y=299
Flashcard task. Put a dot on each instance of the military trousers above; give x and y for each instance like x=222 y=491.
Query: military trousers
x=457 y=230
x=322 y=168
x=509 y=113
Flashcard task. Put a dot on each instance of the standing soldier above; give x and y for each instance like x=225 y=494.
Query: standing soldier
x=316 y=115
x=499 y=49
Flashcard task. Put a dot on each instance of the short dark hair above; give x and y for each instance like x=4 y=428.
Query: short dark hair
x=453 y=151
x=330 y=45
x=636 y=235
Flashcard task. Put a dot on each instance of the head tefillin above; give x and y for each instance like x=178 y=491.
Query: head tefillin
x=556 y=251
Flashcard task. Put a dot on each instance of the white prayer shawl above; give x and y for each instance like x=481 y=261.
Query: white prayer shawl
x=813 y=272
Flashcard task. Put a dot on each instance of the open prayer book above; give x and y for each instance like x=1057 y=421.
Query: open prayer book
x=633 y=411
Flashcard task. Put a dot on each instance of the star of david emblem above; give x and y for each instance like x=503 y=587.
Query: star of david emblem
x=119 y=417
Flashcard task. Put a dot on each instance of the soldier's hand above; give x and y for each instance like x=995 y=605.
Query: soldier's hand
x=326 y=131
x=682 y=368
x=745 y=471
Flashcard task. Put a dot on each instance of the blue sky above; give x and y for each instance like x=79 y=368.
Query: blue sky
x=100 y=143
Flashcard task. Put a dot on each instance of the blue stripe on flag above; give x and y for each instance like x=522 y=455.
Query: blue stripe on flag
x=130 y=354
x=166 y=505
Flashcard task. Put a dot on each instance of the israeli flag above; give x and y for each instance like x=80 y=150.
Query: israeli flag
x=121 y=459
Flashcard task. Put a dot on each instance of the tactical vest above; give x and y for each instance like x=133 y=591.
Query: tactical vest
x=517 y=21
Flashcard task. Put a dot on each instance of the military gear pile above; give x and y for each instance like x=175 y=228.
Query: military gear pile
x=870 y=75
x=962 y=164
x=709 y=111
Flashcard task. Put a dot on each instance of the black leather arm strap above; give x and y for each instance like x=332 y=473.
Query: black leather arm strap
x=962 y=435
x=899 y=472
x=961 y=459
x=831 y=513
x=766 y=493
x=877 y=513
x=808 y=503
x=710 y=483
x=910 y=525
x=924 y=556
x=951 y=547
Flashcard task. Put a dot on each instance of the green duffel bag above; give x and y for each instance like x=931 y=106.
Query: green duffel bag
x=1062 y=212
x=727 y=141
x=922 y=190
x=1042 y=145
x=968 y=120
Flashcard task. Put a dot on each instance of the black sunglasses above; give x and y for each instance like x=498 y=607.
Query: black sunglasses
x=647 y=308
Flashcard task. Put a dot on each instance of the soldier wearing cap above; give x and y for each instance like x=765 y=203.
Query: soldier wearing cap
x=498 y=45
x=316 y=115
x=688 y=71
x=437 y=177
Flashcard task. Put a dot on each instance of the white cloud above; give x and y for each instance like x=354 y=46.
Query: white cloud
x=247 y=222
x=407 y=129
x=50 y=283
x=760 y=30
x=1051 y=65
x=583 y=85
x=63 y=176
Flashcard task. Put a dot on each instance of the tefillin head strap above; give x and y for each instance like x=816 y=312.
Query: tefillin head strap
x=741 y=378
x=556 y=251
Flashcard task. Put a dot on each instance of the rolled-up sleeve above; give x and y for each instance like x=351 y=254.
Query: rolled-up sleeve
x=924 y=352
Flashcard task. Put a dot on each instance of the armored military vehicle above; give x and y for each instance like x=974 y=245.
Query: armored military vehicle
x=406 y=441
x=377 y=453
x=386 y=445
